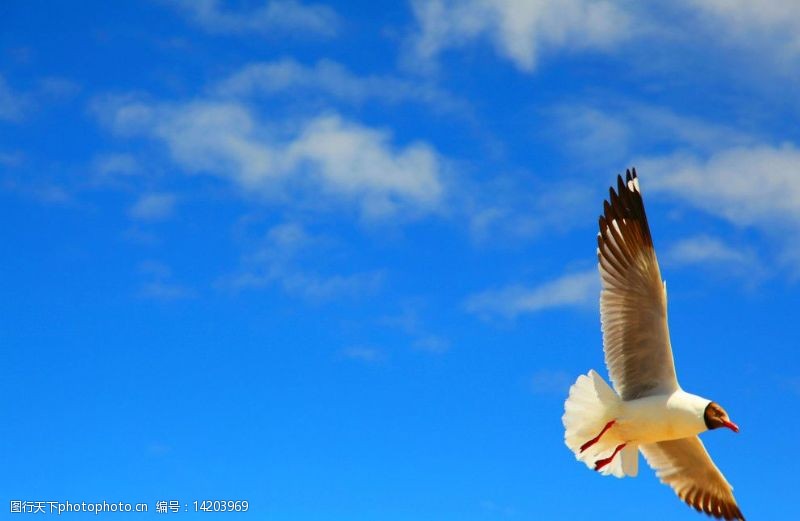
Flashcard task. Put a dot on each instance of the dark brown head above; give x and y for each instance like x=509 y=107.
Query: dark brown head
x=716 y=417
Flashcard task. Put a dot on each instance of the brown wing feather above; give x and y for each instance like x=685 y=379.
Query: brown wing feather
x=633 y=301
x=685 y=466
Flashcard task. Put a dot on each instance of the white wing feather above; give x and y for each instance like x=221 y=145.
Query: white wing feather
x=685 y=466
x=633 y=300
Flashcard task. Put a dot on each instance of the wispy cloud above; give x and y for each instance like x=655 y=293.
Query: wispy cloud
x=704 y=249
x=572 y=290
x=334 y=81
x=756 y=185
x=280 y=259
x=309 y=285
x=505 y=209
x=159 y=284
x=153 y=207
x=432 y=344
x=54 y=88
x=519 y=30
x=141 y=237
x=16 y=105
x=43 y=190
x=161 y=290
x=527 y=31
x=370 y=355
x=116 y=164
x=274 y=17
x=13 y=104
x=11 y=159
x=327 y=160
x=774 y=24
x=749 y=186
x=409 y=322
x=612 y=131
x=714 y=168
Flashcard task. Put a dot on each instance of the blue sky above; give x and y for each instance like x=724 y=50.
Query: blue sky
x=338 y=259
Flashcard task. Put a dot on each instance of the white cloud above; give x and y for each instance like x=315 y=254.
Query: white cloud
x=772 y=22
x=713 y=168
x=704 y=249
x=15 y=105
x=495 y=218
x=612 y=133
x=432 y=344
x=159 y=284
x=409 y=322
x=289 y=238
x=309 y=285
x=42 y=190
x=279 y=260
x=160 y=290
x=718 y=258
x=113 y=164
x=332 y=80
x=141 y=237
x=747 y=186
x=591 y=132
x=520 y=30
x=12 y=104
x=358 y=162
x=504 y=209
x=576 y=289
x=325 y=160
x=763 y=35
x=275 y=16
x=11 y=159
x=54 y=88
x=153 y=207
x=364 y=354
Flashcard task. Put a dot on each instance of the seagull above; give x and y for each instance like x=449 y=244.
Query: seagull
x=647 y=410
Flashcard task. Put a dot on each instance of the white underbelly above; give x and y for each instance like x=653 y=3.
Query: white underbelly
x=658 y=418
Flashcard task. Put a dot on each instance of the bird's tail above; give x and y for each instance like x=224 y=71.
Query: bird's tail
x=589 y=411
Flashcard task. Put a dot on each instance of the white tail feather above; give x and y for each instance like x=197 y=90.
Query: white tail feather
x=591 y=405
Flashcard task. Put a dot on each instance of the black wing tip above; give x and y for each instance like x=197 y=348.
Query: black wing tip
x=625 y=203
x=618 y=205
x=624 y=184
x=726 y=511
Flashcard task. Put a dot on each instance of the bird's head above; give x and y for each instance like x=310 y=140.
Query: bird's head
x=716 y=417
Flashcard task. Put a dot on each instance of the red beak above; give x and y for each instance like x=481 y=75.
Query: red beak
x=732 y=426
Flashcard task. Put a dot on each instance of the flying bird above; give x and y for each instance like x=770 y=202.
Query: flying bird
x=647 y=410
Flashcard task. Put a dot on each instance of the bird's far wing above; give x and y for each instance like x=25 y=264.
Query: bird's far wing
x=633 y=300
x=685 y=466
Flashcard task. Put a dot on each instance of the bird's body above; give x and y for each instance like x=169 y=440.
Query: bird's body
x=661 y=417
x=647 y=410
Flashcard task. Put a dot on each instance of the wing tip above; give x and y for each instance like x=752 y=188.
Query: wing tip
x=625 y=203
x=703 y=503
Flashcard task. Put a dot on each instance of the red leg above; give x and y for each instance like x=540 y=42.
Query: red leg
x=599 y=464
x=597 y=438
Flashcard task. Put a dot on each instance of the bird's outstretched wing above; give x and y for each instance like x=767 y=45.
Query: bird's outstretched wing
x=685 y=466
x=633 y=300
